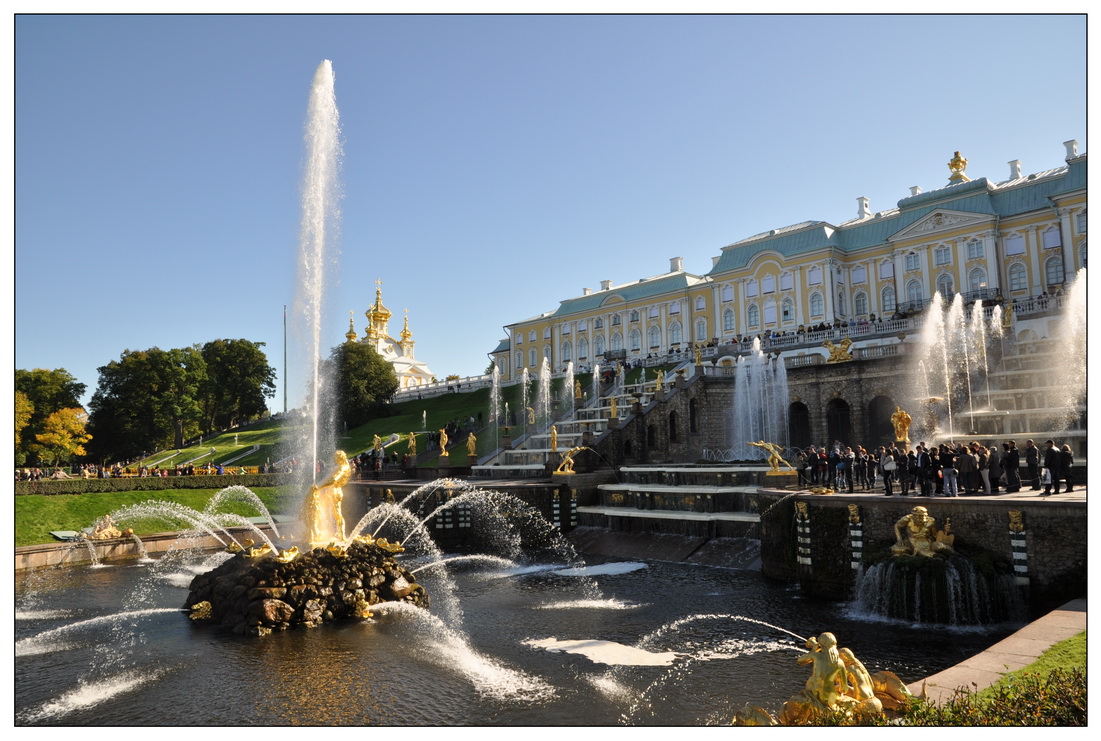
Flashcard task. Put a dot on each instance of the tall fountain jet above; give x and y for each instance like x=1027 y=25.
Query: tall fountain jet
x=317 y=247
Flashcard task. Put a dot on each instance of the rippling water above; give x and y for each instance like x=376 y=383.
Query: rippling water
x=537 y=645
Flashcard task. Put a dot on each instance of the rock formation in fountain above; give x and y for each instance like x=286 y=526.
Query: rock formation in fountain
x=255 y=593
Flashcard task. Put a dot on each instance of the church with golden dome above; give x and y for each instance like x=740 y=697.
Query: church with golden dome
x=411 y=373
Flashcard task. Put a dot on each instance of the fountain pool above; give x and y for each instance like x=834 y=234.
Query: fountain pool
x=111 y=646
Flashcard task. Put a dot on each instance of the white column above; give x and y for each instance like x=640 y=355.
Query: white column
x=827 y=286
x=1034 y=250
x=1066 y=235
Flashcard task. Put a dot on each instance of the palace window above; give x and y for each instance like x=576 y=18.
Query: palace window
x=615 y=320
x=753 y=315
x=817 y=305
x=975 y=250
x=1015 y=244
x=1018 y=277
x=582 y=349
x=674 y=308
x=546 y=352
x=531 y=336
x=814 y=276
x=913 y=291
x=770 y=313
x=531 y=357
x=700 y=304
x=860 y=304
x=787 y=282
x=976 y=280
x=887 y=300
x=787 y=310
x=654 y=336
x=634 y=316
x=913 y=261
x=768 y=284
x=1053 y=271
x=583 y=325
x=751 y=288
x=674 y=333
x=701 y=330
x=655 y=312
x=546 y=333
x=1082 y=254
x=728 y=321
x=886 y=270
x=617 y=341
x=519 y=338
x=1051 y=238
x=728 y=293
x=598 y=323
x=860 y=274
x=945 y=285
x=598 y=345
x=565 y=330
x=942 y=256
x=520 y=359
x=567 y=352
x=1080 y=222
x=840 y=304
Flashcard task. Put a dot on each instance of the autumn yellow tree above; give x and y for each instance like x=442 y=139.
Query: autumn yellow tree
x=63 y=435
x=24 y=409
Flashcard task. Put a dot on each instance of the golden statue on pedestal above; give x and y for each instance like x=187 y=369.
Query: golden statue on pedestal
x=901 y=421
x=471 y=444
x=566 y=466
x=443 y=443
x=577 y=389
x=554 y=438
x=331 y=489
x=839 y=352
x=613 y=412
x=957 y=165
x=412 y=449
x=774 y=458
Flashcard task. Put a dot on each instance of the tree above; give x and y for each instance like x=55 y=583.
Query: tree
x=24 y=409
x=63 y=436
x=362 y=382
x=146 y=400
x=238 y=380
x=46 y=392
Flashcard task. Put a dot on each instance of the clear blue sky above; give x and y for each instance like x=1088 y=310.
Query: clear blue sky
x=493 y=166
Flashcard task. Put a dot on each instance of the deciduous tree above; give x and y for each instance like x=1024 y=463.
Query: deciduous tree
x=63 y=436
x=238 y=380
x=362 y=382
x=46 y=391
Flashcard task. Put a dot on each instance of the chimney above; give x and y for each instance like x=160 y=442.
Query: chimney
x=1014 y=169
x=915 y=190
x=862 y=207
x=1072 y=148
x=605 y=285
x=586 y=291
x=675 y=264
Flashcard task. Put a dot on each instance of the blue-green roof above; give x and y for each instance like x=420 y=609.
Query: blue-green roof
x=644 y=288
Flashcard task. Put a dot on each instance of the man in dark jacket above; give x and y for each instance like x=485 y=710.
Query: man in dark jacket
x=1012 y=464
x=1053 y=463
x=1032 y=461
x=1066 y=464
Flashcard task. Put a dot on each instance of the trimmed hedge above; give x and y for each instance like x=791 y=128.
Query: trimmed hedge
x=149 y=483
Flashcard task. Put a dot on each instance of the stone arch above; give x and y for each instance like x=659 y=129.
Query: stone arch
x=880 y=429
x=838 y=422
x=693 y=416
x=799 y=425
x=673 y=427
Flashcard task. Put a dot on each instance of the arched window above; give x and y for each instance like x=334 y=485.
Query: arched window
x=787 y=310
x=693 y=416
x=546 y=333
x=519 y=359
x=655 y=312
x=817 y=305
x=1082 y=254
x=546 y=352
x=1053 y=271
x=654 y=335
x=531 y=357
x=634 y=315
x=840 y=304
x=1018 y=277
x=728 y=293
x=567 y=351
x=674 y=333
x=598 y=323
x=728 y=321
x=598 y=345
x=913 y=291
x=531 y=336
x=617 y=342
x=976 y=280
x=753 y=315
x=860 y=304
x=672 y=427
x=701 y=329
x=582 y=349
x=770 y=312
x=615 y=320
x=975 y=250
x=700 y=303
x=887 y=300
x=636 y=340
x=945 y=285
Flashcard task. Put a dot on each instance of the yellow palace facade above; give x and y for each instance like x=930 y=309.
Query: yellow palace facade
x=1017 y=238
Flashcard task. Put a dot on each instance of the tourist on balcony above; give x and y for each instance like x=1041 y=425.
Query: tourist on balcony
x=1053 y=462
x=1066 y=464
x=1032 y=461
x=1011 y=462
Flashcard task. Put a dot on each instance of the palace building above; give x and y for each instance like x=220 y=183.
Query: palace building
x=992 y=240
x=411 y=373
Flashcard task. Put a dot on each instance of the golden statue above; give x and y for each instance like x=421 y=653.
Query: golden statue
x=377 y=445
x=917 y=535
x=659 y=383
x=861 y=687
x=901 y=420
x=333 y=487
x=577 y=389
x=699 y=356
x=443 y=443
x=471 y=444
x=288 y=555
x=531 y=416
x=828 y=685
x=201 y=611
x=839 y=353
x=566 y=466
x=1007 y=315
x=614 y=412
x=774 y=458
x=412 y=444
x=554 y=437
x=312 y=515
x=957 y=165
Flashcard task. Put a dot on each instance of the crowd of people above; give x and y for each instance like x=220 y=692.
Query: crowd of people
x=939 y=470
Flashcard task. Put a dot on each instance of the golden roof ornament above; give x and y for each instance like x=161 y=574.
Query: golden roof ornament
x=406 y=335
x=957 y=165
x=351 y=335
x=378 y=315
